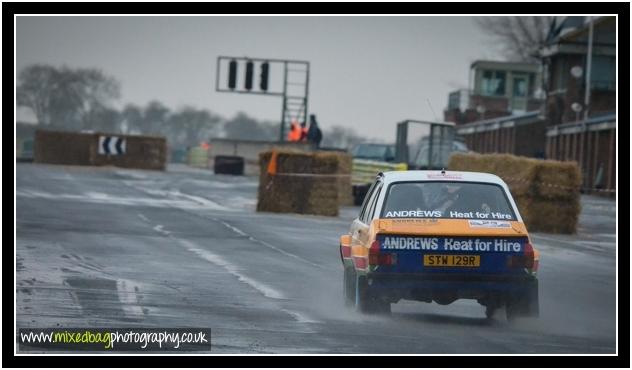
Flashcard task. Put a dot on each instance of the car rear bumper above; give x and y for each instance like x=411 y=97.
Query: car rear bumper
x=449 y=287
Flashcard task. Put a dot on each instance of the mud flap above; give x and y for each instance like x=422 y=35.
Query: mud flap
x=348 y=286
x=365 y=302
x=525 y=305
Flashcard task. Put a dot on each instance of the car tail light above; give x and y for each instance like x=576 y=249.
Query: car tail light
x=345 y=251
x=377 y=258
x=531 y=254
x=526 y=260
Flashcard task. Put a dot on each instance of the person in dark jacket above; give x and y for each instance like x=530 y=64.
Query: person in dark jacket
x=314 y=135
x=303 y=132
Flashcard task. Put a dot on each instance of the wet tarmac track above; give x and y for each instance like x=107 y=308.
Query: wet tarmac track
x=105 y=247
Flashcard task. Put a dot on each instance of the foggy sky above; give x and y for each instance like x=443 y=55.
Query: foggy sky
x=366 y=72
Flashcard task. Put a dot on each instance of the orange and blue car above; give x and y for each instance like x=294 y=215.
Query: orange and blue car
x=439 y=236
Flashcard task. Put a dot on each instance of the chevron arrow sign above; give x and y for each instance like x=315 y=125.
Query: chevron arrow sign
x=111 y=145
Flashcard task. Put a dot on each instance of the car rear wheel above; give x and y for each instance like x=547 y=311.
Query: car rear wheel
x=495 y=313
x=490 y=311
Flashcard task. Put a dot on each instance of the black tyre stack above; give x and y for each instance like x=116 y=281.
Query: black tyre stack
x=229 y=165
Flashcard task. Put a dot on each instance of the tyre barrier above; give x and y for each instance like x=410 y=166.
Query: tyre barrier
x=228 y=165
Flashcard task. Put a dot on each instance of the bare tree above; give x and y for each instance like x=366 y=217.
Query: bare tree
x=64 y=97
x=155 y=116
x=190 y=126
x=244 y=127
x=93 y=91
x=520 y=37
x=132 y=119
x=107 y=120
x=341 y=137
x=35 y=88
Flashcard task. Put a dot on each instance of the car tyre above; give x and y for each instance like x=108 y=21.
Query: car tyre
x=382 y=307
x=490 y=311
x=228 y=165
x=496 y=314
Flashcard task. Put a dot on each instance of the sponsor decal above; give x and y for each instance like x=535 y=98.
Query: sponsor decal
x=451 y=244
x=490 y=224
x=444 y=176
x=413 y=213
x=421 y=221
x=481 y=215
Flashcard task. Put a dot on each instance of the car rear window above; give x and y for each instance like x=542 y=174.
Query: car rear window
x=438 y=199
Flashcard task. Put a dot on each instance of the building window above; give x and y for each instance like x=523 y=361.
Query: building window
x=561 y=73
x=602 y=75
x=520 y=87
x=493 y=83
x=531 y=84
x=454 y=100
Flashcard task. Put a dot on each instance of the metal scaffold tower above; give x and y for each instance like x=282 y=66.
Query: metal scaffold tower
x=294 y=88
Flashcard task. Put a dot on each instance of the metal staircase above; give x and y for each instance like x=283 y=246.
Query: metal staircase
x=295 y=95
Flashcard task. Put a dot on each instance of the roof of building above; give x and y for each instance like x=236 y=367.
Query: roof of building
x=570 y=28
x=504 y=65
x=605 y=121
x=571 y=37
x=494 y=123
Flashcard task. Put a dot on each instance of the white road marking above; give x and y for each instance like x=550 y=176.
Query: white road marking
x=608 y=236
x=159 y=228
x=127 y=297
x=101 y=198
x=217 y=260
x=233 y=270
x=132 y=174
x=205 y=203
x=202 y=201
x=300 y=317
x=236 y=230
x=594 y=244
x=266 y=244
x=263 y=288
x=97 y=196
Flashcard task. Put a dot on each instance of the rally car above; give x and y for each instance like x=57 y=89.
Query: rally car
x=440 y=236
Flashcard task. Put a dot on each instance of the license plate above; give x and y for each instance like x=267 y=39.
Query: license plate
x=451 y=260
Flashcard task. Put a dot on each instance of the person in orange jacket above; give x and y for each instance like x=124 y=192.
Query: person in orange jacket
x=295 y=132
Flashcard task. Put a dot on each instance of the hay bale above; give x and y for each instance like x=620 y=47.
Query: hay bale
x=141 y=151
x=345 y=190
x=63 y=147
x=299 y=194
x=549 y=216
x=558 y=180
x=74 y=148
x=547 y=192
x=517 y=172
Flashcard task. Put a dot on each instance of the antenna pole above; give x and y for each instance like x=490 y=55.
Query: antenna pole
x=432 y=110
